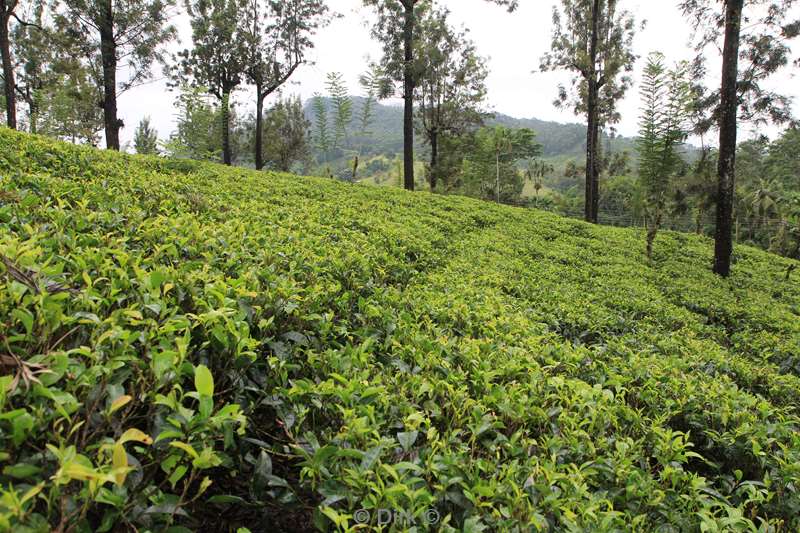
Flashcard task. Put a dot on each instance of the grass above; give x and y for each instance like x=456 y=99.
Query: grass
x=190 y=346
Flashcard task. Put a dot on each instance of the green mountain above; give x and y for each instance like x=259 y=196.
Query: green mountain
x=187 y=346
x=387 y=132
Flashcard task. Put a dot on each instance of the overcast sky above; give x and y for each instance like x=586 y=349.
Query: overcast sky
x=512 y=42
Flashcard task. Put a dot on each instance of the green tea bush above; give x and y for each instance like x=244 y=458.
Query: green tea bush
x=189 y=346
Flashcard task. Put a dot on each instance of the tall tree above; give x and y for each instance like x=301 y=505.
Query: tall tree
x=125 y=36
x=279 y=36
x=593 y=39
x=452 y=84
x=218 y=60
x=665 y=110
x=723 y=236
x=7 y=8
x=763 y=48
x=34 y=50
x=396 y=30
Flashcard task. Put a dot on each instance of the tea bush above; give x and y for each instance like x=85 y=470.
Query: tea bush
x=189 y=346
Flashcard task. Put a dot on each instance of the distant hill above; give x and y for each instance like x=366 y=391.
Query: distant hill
x=557 y=139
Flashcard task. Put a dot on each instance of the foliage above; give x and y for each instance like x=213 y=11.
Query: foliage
x=321 y=133
x=140 y=31
x=218 y=58
x=54 y=82
x=663 y=128
x=279 y=38
x=782 y=162
x=67 y=107
x=145 y=139
x=286 y=140
x=765 y=43
x=452 y=84
x=766 y=204
x=342 y=108
x=198 y=134
x=374 y=85
x=490 y=171
x=188 y=345
x=570 y=51
x=121 y=41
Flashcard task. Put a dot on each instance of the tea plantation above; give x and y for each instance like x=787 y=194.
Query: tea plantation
x=186 y=346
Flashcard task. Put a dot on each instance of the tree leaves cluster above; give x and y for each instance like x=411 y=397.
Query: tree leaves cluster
x=666 y=105
x=261 y=42
x=594 y=40
x=451 y=91
x=398 y=29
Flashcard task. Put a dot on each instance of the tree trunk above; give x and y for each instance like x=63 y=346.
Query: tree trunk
x=259 y=157
x=497 y=179
x=33 y=111
x=434 y=158
x=723 y=239
x=591 y=151
x=408 y=95
x=590 y=213
x=225 y=115
x=8 y=68
x=652 y=231
x=108 y=53
x=596 y=155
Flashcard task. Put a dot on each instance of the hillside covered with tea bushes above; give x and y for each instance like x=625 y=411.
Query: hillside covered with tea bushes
x=205 y=348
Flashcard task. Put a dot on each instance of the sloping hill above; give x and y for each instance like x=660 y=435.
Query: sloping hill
x=208 y=347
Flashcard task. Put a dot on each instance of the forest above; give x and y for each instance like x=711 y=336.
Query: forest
x=387 y=306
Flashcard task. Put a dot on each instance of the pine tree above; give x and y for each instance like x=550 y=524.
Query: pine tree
x=321 y=134
x=145 y=139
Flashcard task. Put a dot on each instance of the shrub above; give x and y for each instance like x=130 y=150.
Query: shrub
x=195 y=346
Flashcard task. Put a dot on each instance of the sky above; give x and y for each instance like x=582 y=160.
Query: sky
x=513 y=44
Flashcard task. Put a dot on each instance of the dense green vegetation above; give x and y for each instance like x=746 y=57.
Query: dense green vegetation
x=194 y=345
x=386 y=134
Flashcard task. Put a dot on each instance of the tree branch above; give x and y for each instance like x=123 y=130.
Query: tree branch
x=25 y=23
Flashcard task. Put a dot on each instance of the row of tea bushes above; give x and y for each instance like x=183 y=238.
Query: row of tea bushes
x=190 y=346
